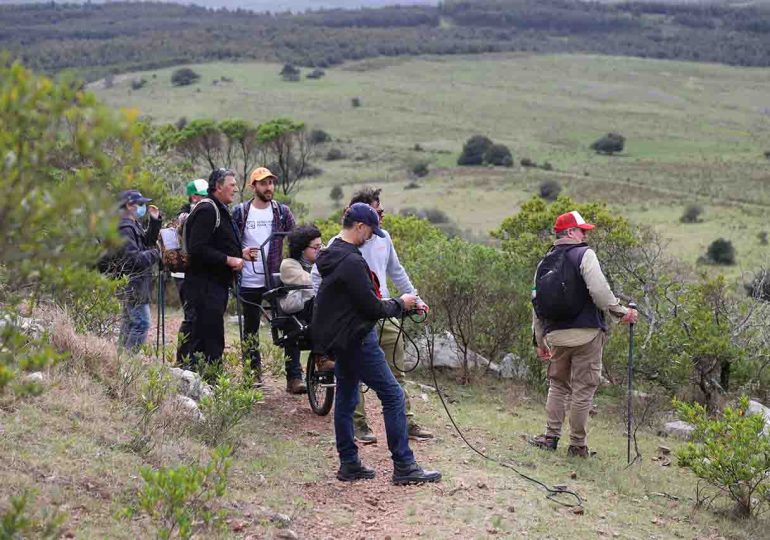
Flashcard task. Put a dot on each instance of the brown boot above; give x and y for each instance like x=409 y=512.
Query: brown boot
x=578 y=451
x=324 y=363
x=546 y=442
x=296 y=386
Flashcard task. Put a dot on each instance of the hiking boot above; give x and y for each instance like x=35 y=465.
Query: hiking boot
x=419 y=433
x=324 y=363
x=412 y=473
x=296 y=386
x=364 y=435
x=350 y=472
x=544 y=442
x=578 y=451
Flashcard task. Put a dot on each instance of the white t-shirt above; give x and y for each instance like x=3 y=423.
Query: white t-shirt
x=259 y=226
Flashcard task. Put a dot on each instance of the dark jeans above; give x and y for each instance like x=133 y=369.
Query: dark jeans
x=365 y=361
x=184 y=338
x=134 y=325
x=293 y=364
x=252 y=316
x=208 y=301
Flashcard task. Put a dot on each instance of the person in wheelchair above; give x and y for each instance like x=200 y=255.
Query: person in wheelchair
x=304 y=244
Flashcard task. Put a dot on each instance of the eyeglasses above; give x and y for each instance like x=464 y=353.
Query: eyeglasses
x=319 y=246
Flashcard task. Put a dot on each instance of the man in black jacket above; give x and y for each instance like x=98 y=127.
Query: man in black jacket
x=137 y=258
x=346 y=310
x=214 y=249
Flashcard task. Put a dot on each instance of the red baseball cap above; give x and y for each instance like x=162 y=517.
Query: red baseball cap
x=571 y=220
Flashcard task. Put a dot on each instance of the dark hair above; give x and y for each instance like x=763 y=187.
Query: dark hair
x=300 y=238
x=368 y=195
x=217 y=178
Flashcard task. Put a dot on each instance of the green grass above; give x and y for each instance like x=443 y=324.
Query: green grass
x=695 y=133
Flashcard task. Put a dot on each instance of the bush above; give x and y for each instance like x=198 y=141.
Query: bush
x=762 y=237
x=498 y=155
x=355 y=102
x=19 y=522
x=526 y=162
x=184 y=77
x=336 y=194
x=176 y=498
x=316 y=74
x=334 y=154
x=549 y=190
x=721 y=251
x=225 y=409
x=474 y=150
x=138 y=84
x=290 y=73
x=609 y=144
x=319 y=136
x=420 y=169
x=547 y=166
x=691 y=214
x=731 y=453
x=759 y=287
x=418 y=148
x=412 y=185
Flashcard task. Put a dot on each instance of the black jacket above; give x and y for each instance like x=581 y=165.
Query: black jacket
x=208 y=245
x=346 y=307
x=137 y=258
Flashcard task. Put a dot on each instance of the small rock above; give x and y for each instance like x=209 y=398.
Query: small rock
x=238 y=526
x=511 y=509
x=281 y=519
x=34 y=377
x=424 y=397
x=287 y=534
x=188 y=406
x=560 y=487
x=578 y=511
x=665 y=450
x=680 y=429
x=481 y=485
x=573 y=475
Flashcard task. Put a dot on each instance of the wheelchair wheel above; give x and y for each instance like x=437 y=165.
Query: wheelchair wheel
x=320 y=388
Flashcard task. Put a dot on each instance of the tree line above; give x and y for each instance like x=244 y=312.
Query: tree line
x=96 y=39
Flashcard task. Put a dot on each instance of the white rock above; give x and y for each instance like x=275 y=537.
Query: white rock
x=190 y=384
x=513 y=367
x=188 y=406
x=34 y=377
x=446 y=354
x=680 y=429
x=755 y=407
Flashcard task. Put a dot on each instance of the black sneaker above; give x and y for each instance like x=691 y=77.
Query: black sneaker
x=350 y=472
x=546 y=442
x=412 y=473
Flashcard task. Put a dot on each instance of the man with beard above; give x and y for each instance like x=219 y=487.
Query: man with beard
x=257 y=219
x=346 y=310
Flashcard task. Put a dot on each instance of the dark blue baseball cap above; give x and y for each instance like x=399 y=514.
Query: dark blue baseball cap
x=363 y=213
x=131 y=196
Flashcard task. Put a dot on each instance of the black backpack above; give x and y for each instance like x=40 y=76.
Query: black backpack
x=560 y=291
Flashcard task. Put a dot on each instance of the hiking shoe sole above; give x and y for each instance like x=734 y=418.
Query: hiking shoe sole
x=408 y=481
x=367 y=475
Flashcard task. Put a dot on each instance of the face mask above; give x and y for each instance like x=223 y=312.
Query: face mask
x=141 y=211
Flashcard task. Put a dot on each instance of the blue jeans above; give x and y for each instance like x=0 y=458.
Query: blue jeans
x=365 y=361
x=134 y=325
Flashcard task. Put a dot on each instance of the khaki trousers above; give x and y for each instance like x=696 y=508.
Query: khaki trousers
x=574 y=374
x=391 y=344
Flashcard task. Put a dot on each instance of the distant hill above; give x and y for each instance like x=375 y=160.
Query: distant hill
x=276 y=5
x=96 y=39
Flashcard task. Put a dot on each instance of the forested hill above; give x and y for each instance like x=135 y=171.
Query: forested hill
x=96 y=39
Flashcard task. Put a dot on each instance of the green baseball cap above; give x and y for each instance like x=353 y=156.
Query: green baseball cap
x=198 y=187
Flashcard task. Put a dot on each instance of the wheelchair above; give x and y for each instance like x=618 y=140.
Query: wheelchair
x=287 y=329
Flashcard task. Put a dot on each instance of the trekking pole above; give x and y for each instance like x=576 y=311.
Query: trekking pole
x=629 y=408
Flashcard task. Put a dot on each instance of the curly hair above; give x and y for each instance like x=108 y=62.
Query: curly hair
x=300 y=238
x=367 y=195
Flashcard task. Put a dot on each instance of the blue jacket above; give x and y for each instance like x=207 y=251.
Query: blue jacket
x=139 y=255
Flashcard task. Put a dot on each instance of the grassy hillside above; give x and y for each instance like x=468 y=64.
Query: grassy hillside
x=696 y=133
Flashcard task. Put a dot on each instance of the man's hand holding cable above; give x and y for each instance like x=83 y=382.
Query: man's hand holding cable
x=235 y=263
x=409 y=300
x=250 y=253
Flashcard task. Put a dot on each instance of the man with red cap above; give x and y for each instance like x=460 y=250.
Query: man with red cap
x=572 y=303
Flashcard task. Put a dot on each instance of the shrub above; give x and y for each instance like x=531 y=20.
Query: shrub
x=609 y=144
x=420 y=169
x=526 y=162
x=498 y=155
x=316 y=74
x=355 y=102
x=418 y=148
x=730 y=452
x=767 y=154
x=334 y=154
x=336 y=194
x=176 y=498
x=474 y=150
x=290 y=73
x=547 y=166
x=155 y=390
x=412 y=185
x=549 y=190
x=721 y=251
x=319 y=136
x=224 y=410
x=691 y=214
x=184 y=77
x=138 y=84
x=19 y=522
x=762 y=237
x=759 y=287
